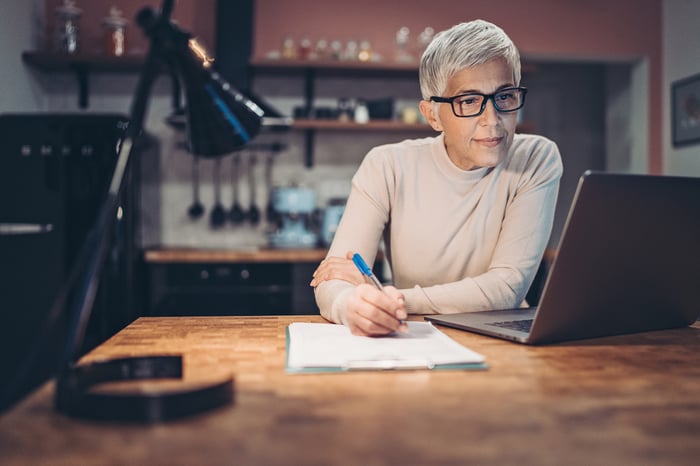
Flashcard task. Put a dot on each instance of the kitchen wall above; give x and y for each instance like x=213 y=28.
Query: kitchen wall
x=681 y=60
x=574 y=47
x=623 y=55
x=20 y=29
x=623 y=31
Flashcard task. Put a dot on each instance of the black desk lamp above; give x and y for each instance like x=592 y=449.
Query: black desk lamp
x=219 y=120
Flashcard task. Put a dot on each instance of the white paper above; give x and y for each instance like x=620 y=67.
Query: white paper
x=333 y=346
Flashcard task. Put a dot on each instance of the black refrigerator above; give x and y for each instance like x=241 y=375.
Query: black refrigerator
x=55 y=171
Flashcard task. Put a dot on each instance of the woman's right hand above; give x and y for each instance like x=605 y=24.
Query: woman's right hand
x=373 y=312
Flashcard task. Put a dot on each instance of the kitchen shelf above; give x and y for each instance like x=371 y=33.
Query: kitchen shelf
x=346 y=67
x=82 y=65
x=374 y=125
x=311 y=70
x=334 y=66
x=48 y=61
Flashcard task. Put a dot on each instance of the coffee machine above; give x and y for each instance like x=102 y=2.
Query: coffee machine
x=294 y=208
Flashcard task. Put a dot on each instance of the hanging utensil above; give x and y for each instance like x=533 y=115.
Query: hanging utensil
x=218 y=215
x=236 y=214
x=253 y=211
x=196 y=209
x=270 y=213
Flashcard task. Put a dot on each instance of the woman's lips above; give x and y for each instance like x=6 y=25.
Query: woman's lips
x=489 y=142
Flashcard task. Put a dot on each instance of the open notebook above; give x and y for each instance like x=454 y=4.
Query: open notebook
x=313 y=347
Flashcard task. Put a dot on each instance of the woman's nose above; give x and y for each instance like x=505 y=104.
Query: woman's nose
x=490 y=115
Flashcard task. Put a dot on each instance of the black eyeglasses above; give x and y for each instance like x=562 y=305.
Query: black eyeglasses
x=474 y=103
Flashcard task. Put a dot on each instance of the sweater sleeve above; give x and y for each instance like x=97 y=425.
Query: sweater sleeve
x=524 y=234
x=360 y=230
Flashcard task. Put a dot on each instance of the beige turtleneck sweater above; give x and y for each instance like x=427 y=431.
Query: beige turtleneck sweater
x=456 y=240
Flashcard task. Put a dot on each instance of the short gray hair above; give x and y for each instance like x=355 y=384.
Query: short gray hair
x=464 y=45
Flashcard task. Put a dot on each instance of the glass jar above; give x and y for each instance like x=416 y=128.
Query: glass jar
x=115 y=33
x=67 y=27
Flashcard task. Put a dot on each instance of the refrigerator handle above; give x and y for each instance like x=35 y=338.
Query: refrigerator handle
x=7 y=229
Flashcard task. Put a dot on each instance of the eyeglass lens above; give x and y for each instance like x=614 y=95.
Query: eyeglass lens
x=507 y=100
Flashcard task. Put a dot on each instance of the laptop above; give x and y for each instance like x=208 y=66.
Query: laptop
x=628 y=261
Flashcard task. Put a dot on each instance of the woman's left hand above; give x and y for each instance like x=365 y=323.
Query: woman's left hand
x=337 y=268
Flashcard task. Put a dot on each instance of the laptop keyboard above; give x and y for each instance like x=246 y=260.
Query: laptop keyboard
x=519 y=325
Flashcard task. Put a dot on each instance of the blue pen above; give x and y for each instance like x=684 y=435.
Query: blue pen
x=367 y=272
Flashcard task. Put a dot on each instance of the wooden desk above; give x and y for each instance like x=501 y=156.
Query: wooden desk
x=619 y=400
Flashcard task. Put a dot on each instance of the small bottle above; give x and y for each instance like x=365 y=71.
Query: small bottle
x=402 y=39
x=345 y=110
x=67 y=27
x=289 y=48
x=115 y=33
x=336 y=50
x=321 y=51
x=305 y=48
x=351 y=50
x=425 y=38
x=361 y=112
x=365 y=53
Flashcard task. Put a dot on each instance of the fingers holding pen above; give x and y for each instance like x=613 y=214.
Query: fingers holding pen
x=373 y=312
x=399 y=309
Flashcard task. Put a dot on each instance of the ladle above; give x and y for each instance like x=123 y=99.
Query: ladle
x=253 y=211
x=196 y=209
x=218 y=215
x=236 y=215
x=270 y=212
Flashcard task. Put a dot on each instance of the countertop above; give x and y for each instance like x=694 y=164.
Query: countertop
x=189 y=255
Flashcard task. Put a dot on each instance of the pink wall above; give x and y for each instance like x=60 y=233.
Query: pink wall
x=604 y=30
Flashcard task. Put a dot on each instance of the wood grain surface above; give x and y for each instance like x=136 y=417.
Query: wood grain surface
x=164 y=256
x=620 y=400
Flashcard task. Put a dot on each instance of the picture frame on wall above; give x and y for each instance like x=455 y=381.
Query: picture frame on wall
x=685 y=111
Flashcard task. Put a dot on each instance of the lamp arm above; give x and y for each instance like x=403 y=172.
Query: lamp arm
x=95 y=248
x=77 y=296
x=166 y=10
x=72 y=395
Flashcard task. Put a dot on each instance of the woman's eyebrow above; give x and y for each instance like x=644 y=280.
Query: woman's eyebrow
x=477 y=91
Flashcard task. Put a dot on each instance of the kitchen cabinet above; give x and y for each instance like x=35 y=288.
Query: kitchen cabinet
x=230 y=282
x=220 y=288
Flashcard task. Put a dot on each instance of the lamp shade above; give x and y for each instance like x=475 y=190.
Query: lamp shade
x=220 y=119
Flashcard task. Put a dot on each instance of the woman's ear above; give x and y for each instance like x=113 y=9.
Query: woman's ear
x=428 y=110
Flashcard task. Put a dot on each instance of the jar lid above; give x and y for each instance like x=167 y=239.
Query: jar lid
x=68 y=9
x=115 y=18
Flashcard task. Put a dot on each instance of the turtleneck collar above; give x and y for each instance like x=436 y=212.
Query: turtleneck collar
x=452 y=171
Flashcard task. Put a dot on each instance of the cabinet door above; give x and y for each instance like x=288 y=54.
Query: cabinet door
x=220 y=289
x=303 y=299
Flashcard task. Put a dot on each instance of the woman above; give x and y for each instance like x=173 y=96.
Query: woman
x=466 y=215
